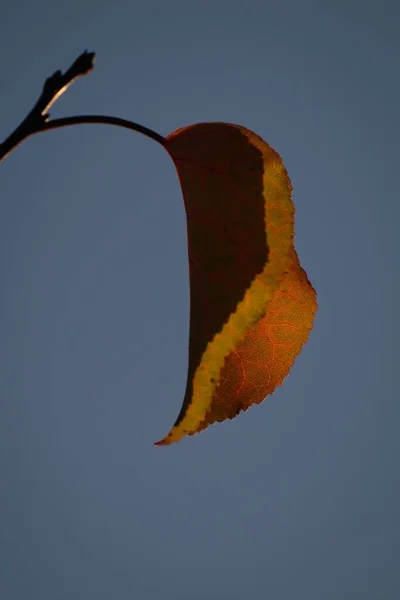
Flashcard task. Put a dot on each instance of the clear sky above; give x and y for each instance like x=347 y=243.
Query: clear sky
x=297 y=498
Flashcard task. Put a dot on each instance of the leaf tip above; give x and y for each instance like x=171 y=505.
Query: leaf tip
x=165 y=441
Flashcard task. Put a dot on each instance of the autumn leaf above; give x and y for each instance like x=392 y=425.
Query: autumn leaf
x=251 y=304
x=262 y=359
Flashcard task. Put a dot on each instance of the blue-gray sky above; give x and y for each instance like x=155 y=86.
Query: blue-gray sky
x=297 y=498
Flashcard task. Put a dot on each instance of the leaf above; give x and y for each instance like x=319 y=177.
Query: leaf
x=251 y=304
x=263 y=358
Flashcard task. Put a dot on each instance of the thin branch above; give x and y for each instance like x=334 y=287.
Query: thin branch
x=38 y=119
x=103 y=120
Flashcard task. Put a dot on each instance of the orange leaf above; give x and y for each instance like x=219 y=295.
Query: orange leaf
x=251 y=305
x=263 y=358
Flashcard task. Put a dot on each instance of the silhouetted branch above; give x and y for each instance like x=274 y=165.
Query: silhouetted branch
x=38 y=119
x=102 y=120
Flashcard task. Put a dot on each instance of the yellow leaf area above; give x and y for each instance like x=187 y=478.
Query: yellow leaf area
x=251 y=305
x=263 y=358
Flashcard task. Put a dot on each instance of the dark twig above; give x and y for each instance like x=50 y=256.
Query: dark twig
x=38 y=119
x=103 y=120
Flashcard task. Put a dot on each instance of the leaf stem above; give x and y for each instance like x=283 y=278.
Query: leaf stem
x=102 y=120
x=38 y=119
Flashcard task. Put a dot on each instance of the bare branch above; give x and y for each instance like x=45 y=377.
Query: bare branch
x=53 y=88
x=38 y=119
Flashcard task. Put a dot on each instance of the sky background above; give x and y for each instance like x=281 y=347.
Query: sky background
x=297 y=498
